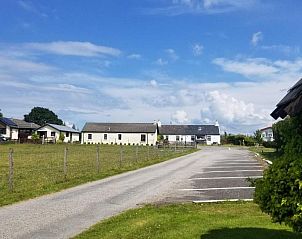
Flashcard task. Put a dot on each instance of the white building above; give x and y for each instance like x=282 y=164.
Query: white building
x=267 y=134
x=51 y=132
x=15 y=129
x=188 y=134
x=120 y=133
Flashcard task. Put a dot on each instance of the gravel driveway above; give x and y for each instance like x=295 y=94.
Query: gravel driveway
x=194 y=177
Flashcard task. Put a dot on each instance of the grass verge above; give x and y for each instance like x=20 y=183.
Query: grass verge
x=187 y=221
x=267 y=153
x=40 y=169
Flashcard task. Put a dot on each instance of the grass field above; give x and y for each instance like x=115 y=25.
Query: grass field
x=189 y=221
x=267 y=153
x=39 y=169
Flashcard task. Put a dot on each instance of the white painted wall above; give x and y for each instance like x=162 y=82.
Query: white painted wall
x=7 y=135
x=210 y=139
x=14 y=133
x=267 y=135
x=48 y=129
x=127 y=138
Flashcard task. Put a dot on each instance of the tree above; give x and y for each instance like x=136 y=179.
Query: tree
x=279 y=192
x=258 y=136
x=42 y=116
x=1 y=115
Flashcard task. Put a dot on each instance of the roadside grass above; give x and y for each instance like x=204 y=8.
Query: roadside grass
x=39 y=169
x=267 y=153
x=201 y=221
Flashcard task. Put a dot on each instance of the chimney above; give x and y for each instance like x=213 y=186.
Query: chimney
x=216 y=123
x=158 y=123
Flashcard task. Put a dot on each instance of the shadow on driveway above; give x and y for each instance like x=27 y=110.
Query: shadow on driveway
x=250 y=233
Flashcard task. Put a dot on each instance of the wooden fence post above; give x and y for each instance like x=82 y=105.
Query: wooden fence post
x=98 y=158
x=148 y=153
x=121 y=155
x=175 y=146
x=65 y=163
x=11 y=170
x=136 y=153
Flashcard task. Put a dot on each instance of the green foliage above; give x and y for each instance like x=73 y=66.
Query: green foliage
x=41 y=116
x=35 y=137
x=1 y=115
x=238 y=140
x=258 y=137
x=279 y=193
x=62 y=137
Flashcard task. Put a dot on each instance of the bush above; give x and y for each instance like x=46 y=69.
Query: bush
x=279 y=192
x=269 y=144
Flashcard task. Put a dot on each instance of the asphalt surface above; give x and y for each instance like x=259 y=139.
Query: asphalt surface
x=196 y=177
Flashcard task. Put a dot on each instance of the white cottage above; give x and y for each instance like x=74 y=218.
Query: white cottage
x=51 y=132
x=267 y=134
x=120 y=133
x=16 y=129
x=188 y=134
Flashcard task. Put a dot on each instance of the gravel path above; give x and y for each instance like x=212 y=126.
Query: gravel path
x=67 y=213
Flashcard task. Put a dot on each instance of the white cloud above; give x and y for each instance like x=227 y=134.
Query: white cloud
x=30 y=7
x=153 y=83
x=134 y=56
x=172 y=54
x=161 y=62
x=73 y=48
x=179 y=7
x=180 y=117
x=256 y=38
x=287 y=50
x=197 y=49
x=248 y=67
x=13 y=65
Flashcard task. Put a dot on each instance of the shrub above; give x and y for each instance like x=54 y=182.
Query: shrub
x=269 y=144
x=279 y=192
x=62 y=137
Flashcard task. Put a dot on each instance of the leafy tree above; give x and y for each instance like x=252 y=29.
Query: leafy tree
x=279 y=192
x=42 y=116
x=1 y=115
x=61 y=137
x=258 y=137
x=35 y=137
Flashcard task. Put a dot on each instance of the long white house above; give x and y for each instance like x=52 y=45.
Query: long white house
x=51 y=132
x=267 y=134
x=120 y=133
x=187 y=134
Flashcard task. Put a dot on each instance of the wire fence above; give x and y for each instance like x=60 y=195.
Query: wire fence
x=29 y=170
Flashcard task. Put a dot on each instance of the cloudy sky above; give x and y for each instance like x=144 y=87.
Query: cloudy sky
x=180 y=61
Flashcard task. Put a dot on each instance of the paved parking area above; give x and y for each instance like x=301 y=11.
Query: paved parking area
x=226 y=178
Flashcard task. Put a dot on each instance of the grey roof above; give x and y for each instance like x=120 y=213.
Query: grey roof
x=189 y=130
x=291 y=104
x=62 y=128
x=21 y=124
x=17 y=123
x=120 y=127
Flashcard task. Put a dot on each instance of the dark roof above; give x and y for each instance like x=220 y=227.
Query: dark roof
x=291 y=104
x=269 y=127
x=61 y=128
x=21 y=124
x=189 y=130
x=8 y=122
x=120 y=127
x=17 y=123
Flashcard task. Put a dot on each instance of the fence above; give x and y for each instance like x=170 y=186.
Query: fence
x=38 y=168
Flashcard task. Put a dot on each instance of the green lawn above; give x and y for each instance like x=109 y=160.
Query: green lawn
x=188 y=221
x=267 y=153
x=39 y=169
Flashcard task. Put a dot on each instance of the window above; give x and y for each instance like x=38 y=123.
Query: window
x=67 y=134
x=119 y=136
x=143 y=138
x=209 y=138
x=89 y=136
x=2 y=130
x=167 y=137
x=177 y=138
x=105 y=136
x=53 y=134
x=192 y=138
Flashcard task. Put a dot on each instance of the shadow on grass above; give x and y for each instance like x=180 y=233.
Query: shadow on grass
x=250 y=233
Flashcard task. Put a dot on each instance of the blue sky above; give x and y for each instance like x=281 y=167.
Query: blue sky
x=179 y=61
